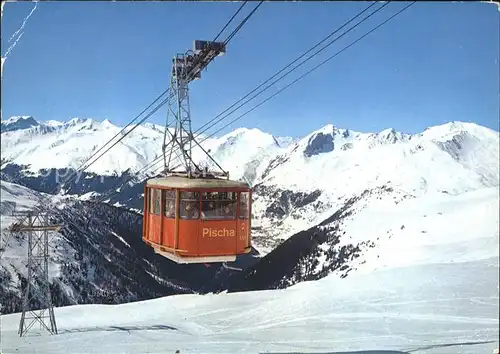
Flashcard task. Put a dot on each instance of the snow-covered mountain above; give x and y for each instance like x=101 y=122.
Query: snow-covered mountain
x=61 y=145
x=318 y=174
x=298 y=183
x=18 y=123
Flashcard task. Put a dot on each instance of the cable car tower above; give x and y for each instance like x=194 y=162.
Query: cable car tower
x=187 y=67
x=194 y=215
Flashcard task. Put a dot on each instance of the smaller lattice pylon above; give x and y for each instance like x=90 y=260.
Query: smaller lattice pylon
x=37 y=300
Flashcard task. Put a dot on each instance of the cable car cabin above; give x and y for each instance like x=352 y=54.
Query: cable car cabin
x=197 y=220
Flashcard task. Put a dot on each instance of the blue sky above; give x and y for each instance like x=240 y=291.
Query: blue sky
x=434 y=63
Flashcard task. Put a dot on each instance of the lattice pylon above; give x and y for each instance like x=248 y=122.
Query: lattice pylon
x=37 y=228
x=178 y=109
x=185 y=68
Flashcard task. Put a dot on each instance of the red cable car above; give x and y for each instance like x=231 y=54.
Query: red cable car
x=197 y=220
x=193 y=216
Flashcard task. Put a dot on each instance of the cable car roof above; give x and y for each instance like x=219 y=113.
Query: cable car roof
x=183 y=182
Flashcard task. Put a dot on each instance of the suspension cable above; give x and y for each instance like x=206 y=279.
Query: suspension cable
x=290 y=84
x=230 y=20
x=155 y=109
x=242 y=23
x=83 y=166
x=287 y=66
x=312 y=69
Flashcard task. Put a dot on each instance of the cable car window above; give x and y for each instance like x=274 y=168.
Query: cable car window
x=218 y=205
x=190 y=205
x=155 y=201
x=169 y=204
x=208 y=205
x=244 y=205
x=151 y=200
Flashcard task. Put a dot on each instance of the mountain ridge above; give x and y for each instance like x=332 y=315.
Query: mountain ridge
x=298 y=182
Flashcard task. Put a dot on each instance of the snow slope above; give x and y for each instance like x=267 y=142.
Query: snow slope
x=430 y=229
x=433 y=308
x=414 y=292
x=383 y=228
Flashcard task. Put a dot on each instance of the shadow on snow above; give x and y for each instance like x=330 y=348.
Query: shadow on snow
x=120 y=328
